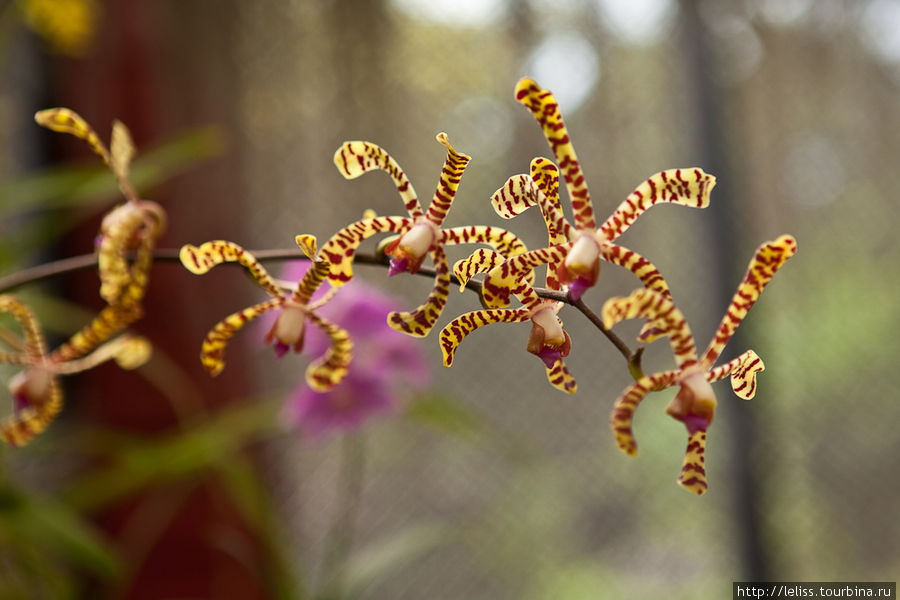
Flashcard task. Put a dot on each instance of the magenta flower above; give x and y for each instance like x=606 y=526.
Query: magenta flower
x=386 y=368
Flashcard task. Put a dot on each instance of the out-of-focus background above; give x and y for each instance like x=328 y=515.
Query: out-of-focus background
x=489 y=484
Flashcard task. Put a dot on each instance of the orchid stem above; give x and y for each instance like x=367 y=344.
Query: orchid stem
x=87 y=261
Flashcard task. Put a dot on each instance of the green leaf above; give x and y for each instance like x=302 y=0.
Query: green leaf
x=139 y=463
x=59 y=187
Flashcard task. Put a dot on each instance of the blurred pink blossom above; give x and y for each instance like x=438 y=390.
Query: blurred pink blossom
x=387 y=366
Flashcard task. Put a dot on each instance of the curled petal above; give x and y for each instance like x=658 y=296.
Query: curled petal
x=623 y=410
x=637 y=264
x=212 y=350
x=546 y=175
x=769 y=257
x=510 y=277
x=328 y=370
x=420 y=321
x=340 y=249
x=315 y=274
x=119 y=228
x=521 y=192
x=456 y=331
x=481 y=260
x=503 y=241
x=743 y=370
x=199 y=260
x=560 y=378
x=68 y=121
x=353 y=159
x=657 y=309
x=129 y=352
x=693 y=469
x=688 y=187
x=451 y=174
x=34 y=339
x=32 y=417
x=545 y=109
x=109 y=321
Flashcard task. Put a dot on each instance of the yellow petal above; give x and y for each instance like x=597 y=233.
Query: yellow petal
x=353 y=159
x=693 y=469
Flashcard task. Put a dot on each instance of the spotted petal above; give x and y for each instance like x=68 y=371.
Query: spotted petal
x=340 y=249
x=119 y=226
x=107 y=323
x=769 y=257
x=521 y=192
x=199 y=260
x=688 y=187
x=623 y=410
x=315 y=274
x=743 y=370
x=212 y=350
x=657 y=309
x=328 y=370
x=693 y=469
x=456 y=331
x=68 y=121
x=353 y=159
x=449 y=182
x=510 y=277
x=419 y=322
x=543 y=106
x=503 y=241
x=560 y=378
x=481 y=260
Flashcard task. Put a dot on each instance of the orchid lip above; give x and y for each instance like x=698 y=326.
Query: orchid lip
x=577 y=288
x=280 y=349
x=398 y=265
x=695 y=423
x=549 y=356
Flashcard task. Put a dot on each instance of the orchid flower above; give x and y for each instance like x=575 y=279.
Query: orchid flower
x=37 y=395
x=418 y=235
x=132 y=226
x=695 y=403
x=548 y=340
x=576 y=250
x=295 y=309
x=387 y=367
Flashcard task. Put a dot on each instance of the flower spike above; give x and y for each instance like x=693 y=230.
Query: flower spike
x=296 y=308
x=575 y=252
x=132 y=226
x=695 y=403
x=416 y=237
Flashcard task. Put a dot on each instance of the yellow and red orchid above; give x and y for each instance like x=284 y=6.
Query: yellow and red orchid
x=133 y=226
x=548 y=340
x=37 y=395
x=575 y=250
x=417 y=235
x=295 y=309
x=695 y=403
